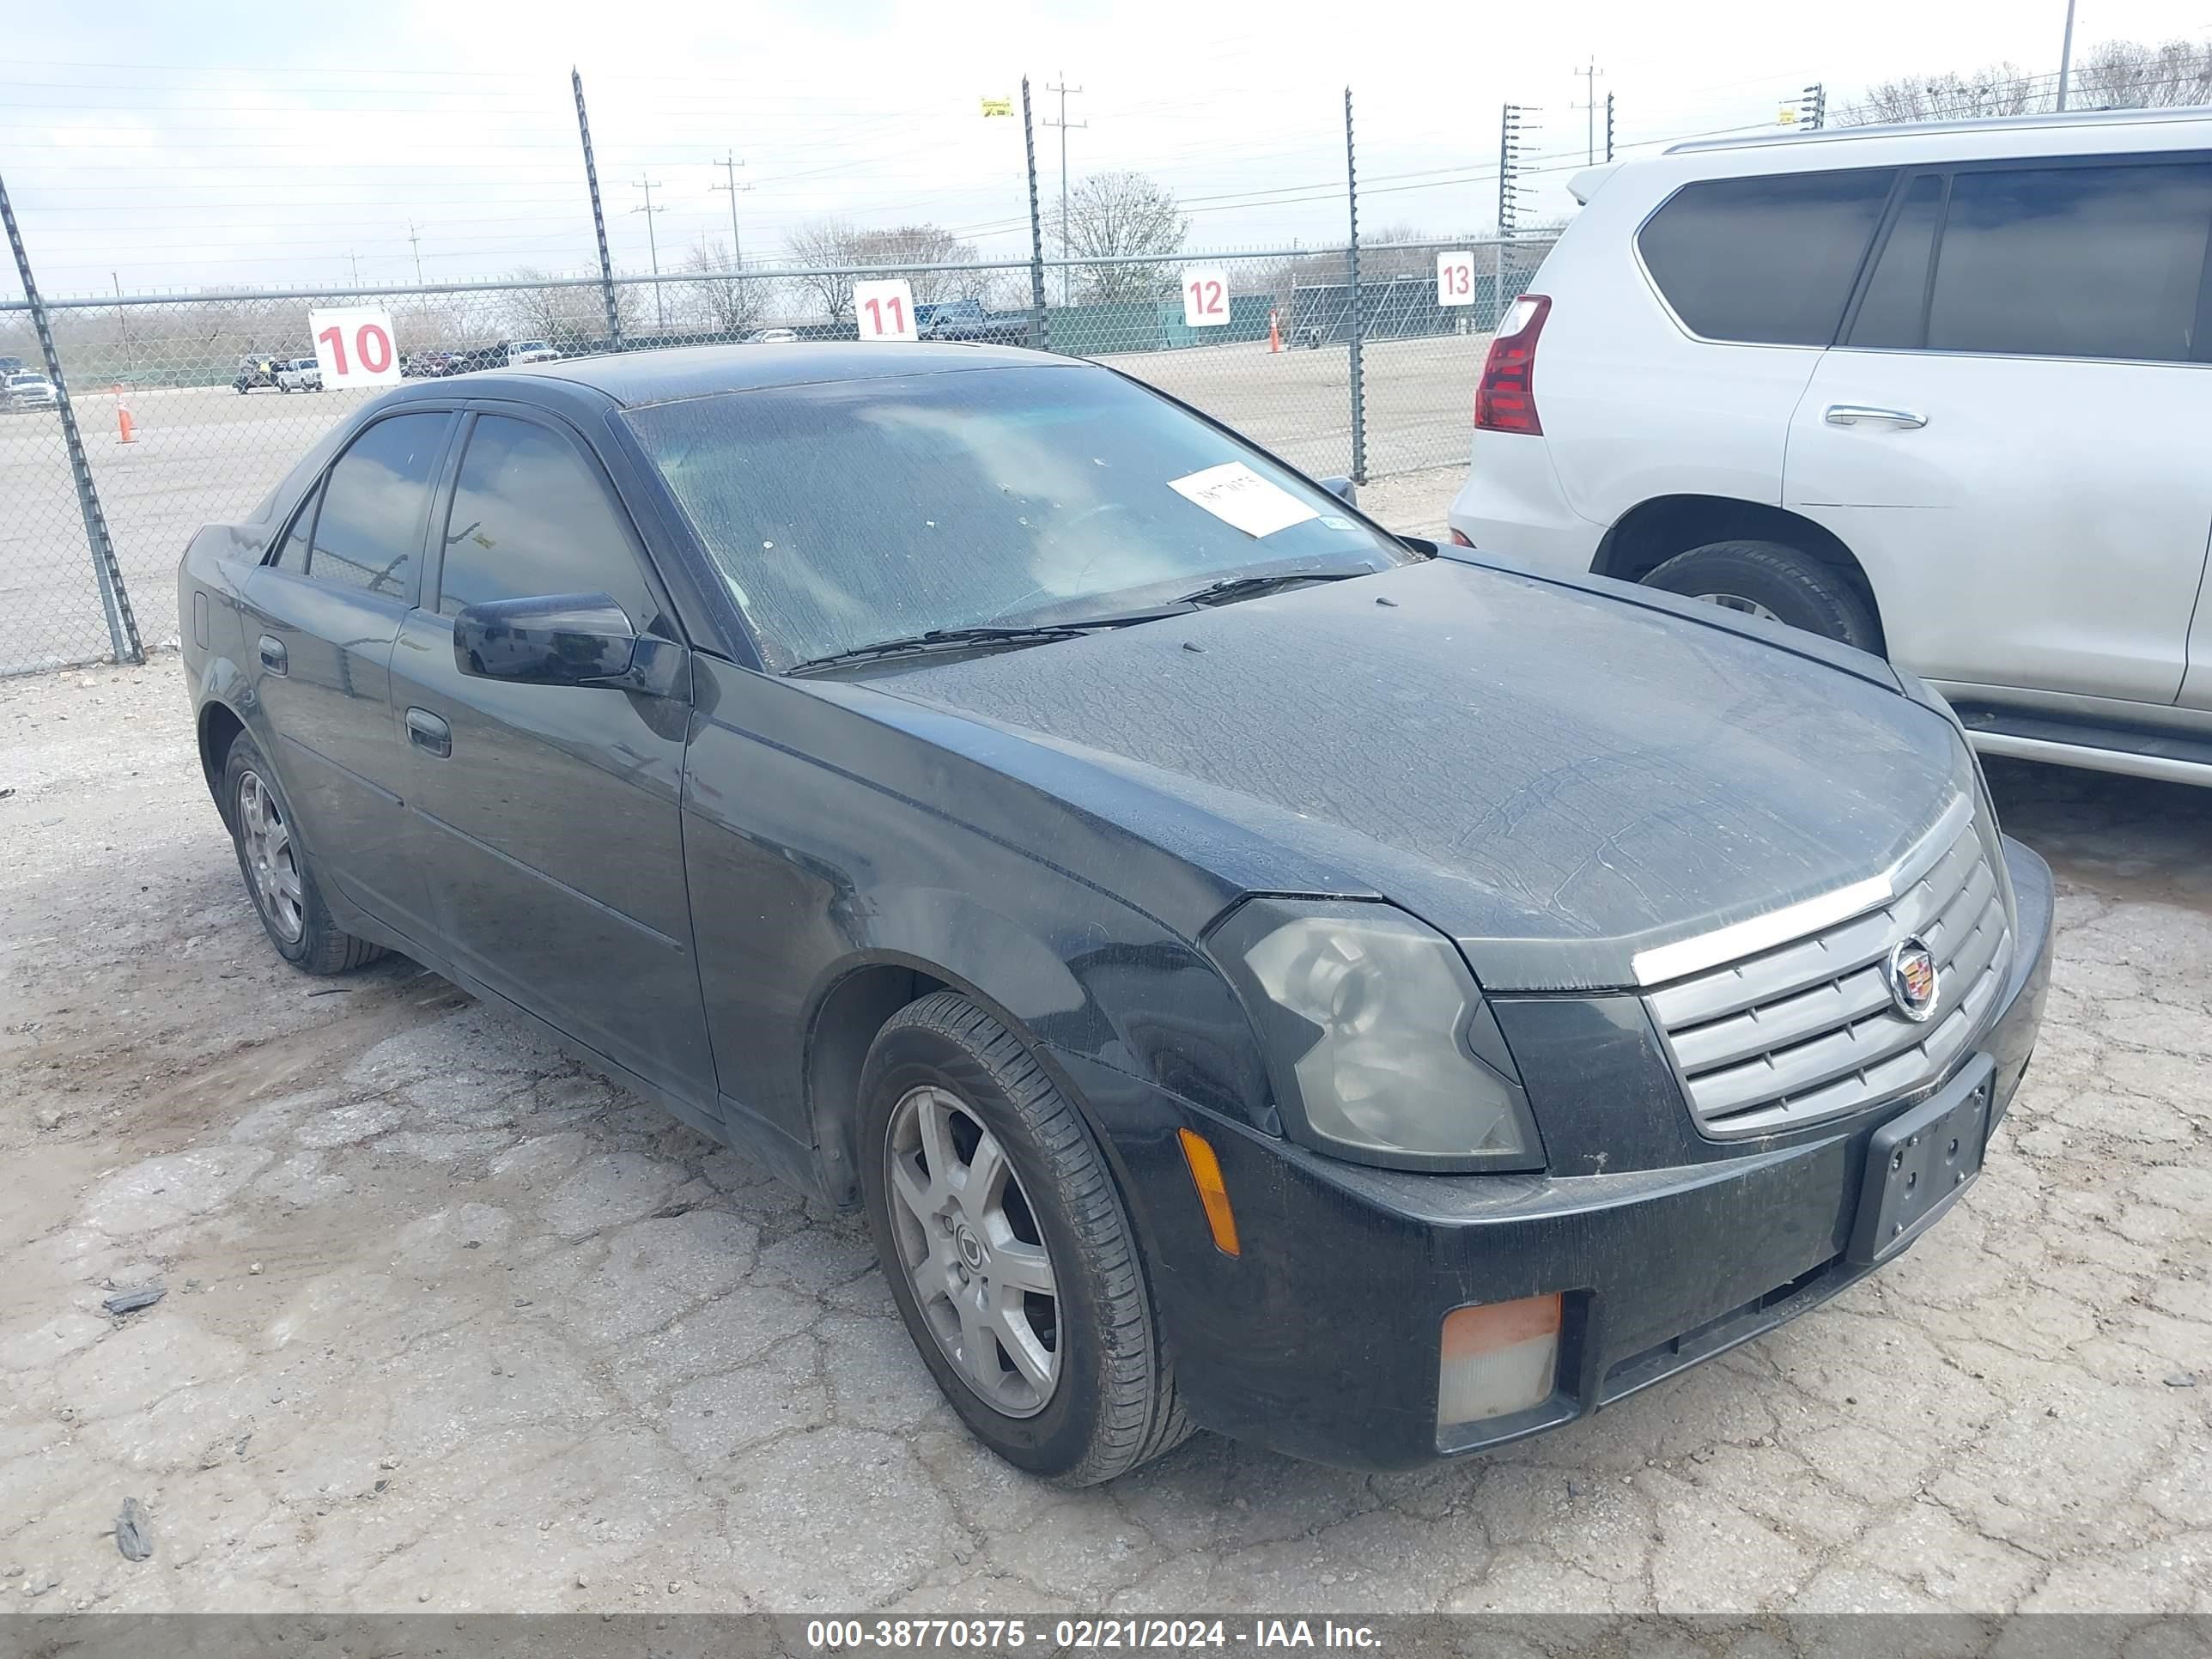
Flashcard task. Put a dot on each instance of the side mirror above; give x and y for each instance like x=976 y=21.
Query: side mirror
x=556 y=639
x=1343 y=489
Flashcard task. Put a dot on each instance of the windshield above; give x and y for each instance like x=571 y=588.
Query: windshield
x=852 y=511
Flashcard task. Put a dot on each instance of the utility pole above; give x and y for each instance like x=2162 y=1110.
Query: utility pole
x=652 y=243
x=415 y=241
x=729 y=164
x=356 y=258
x=1044 y=341
x=1813 y=106
x=122 y=318
x=1608 y=126
x=1063 y=89
x=598 y=218
x=1589 y=104
x=2066 y=55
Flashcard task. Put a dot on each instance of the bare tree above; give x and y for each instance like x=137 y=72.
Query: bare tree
x=832 y=247
x=729 y=304
x=2135 y=74
x=566 y=316
x=1116 y=214
x=1995 y=89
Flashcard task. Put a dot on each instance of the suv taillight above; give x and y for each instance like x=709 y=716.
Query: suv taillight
x=1505 y=396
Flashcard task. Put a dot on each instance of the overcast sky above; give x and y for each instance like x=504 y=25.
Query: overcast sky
x=177 y=147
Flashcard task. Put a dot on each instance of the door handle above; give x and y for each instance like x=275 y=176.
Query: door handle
x=1852 y=414
x=430 y=733
x=273 y=655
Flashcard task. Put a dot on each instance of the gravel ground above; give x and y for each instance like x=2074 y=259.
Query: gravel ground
x=452 y=1325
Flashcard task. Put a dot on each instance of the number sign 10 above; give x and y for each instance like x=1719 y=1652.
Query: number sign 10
x=884 y=311
x=1205 y=296
x=354 y=346
x=1455 y=278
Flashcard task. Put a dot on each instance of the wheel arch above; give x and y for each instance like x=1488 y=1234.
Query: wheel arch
x=219 y=726
x=1653 y=531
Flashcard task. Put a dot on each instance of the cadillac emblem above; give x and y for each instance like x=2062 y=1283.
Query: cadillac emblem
x=1909 y=971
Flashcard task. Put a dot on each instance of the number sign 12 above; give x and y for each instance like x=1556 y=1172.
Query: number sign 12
x=1455 y=278
x=1205 y=296
x=354 y=346
x=884 y=311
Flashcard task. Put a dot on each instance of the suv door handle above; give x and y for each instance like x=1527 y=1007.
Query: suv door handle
x=1852 y=414
x=273 y=655
x=427 y=731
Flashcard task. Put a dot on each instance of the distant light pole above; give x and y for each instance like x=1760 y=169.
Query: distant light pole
x=2066 y=55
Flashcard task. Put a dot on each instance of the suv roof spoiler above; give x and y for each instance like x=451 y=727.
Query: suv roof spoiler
x=1584 y=184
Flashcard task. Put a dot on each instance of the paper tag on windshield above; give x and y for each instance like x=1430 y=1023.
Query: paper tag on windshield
x=1237 y=495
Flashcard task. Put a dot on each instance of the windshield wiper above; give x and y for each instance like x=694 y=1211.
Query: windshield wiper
x=1231 y=588
x=947 y=639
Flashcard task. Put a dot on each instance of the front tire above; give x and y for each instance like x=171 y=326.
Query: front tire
x=1775 y=581
x=1007 y=1249
x=279 y=878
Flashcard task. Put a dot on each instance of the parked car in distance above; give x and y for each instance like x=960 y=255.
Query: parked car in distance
x=27 y=388
x=425 y=365
x=522 y=352
x=10 y=366
x=255 y=372
x=966 y=319
x=772 y=336
x=1935 y=391
x=299 y=374
x=1251 y=969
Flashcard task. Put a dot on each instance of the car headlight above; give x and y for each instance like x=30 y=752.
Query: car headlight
x=1378 y=1042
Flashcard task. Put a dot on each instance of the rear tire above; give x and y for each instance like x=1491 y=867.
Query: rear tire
x=1773 y=580
x=279 y=879
x=1017 y=1194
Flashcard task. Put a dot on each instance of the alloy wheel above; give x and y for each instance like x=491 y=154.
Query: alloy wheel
x=1737 y=602
x=272 y=857
x=973 y=1254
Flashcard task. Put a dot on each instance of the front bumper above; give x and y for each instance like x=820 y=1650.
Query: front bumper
x=1321 y=1339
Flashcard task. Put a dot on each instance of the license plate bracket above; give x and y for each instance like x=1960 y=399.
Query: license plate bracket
x=1920 y=1162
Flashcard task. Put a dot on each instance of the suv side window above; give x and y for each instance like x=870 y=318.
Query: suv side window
x=1894 y=310
x=2073 y=262
x=531 y=516
x=369 y=527
x=1767 y=261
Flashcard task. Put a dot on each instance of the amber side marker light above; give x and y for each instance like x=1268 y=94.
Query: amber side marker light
x=1206 y=1175
x=1497 y=1358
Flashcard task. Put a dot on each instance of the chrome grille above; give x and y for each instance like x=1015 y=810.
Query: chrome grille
x=1805 y=1031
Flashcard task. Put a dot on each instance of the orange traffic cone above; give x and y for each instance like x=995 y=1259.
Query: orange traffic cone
x=1274 y=333
x=126 y=429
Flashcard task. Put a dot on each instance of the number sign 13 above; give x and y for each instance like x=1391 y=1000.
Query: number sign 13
x=1455 y=278
x=354 y=346
x=884 y=311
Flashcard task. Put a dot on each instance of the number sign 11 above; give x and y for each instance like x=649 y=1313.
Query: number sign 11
x=354 y=346
x=1205 y=296
x=884 y=311
x=1455 y=278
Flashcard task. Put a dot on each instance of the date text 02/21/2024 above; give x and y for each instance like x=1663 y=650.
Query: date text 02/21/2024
x=987 y=1635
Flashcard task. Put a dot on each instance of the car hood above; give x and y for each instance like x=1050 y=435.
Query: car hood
x=1555 y=777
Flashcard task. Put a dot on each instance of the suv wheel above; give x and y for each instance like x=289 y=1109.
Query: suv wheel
x=277 y=873
x=1776 y=581
x=1007 y=1250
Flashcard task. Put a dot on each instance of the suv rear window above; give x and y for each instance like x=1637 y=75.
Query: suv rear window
x=1765 y=261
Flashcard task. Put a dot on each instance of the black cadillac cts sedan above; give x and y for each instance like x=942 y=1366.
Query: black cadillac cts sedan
x=1255 y=971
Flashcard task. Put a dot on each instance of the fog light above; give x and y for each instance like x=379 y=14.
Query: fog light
x=1498 y=1359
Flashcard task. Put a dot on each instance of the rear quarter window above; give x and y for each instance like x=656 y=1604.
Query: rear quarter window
x=1764 y=261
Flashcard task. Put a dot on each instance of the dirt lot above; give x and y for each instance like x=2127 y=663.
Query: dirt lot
x=204 y=455
x=449 y=1324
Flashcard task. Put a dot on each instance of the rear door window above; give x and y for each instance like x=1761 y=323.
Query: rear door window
x=2073 y=262
x=1894 y=310
x=368 y=532
x=1767 y=261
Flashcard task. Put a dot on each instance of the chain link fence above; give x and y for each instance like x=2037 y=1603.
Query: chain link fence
x=193 y=407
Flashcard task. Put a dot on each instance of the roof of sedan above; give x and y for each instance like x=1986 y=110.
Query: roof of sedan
x=634 y=378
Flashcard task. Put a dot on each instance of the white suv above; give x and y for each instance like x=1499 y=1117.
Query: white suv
x=1941 y=392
